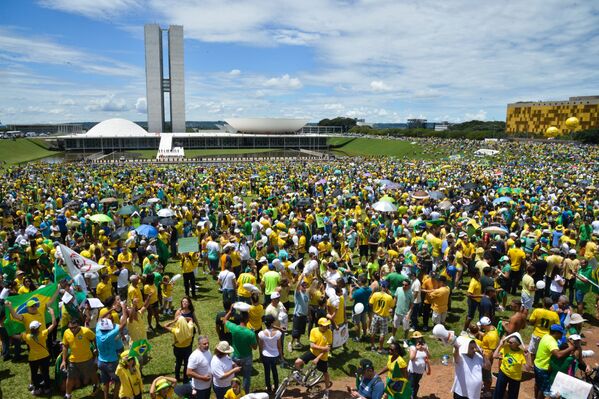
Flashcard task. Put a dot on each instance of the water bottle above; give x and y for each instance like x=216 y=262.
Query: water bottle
x=445 y=360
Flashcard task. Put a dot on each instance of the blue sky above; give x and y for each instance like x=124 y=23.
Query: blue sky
x=382 y=60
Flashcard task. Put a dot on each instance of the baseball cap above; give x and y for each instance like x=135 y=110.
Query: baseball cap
x=263 y=260
x=34 y=325
x=557 y=328
x=323 y=321
x=275 y=295
x=32 y=302
x=366 y=364
x=106 y=325
x=485 y=321
x=385 y=284
x=504 y=259
x=575 y=337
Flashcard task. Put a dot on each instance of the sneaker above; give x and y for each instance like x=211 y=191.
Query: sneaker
x=355 y=339
x=37 y=392
x=411 y=330
x=326 y=395
x=289 y=347
x=391 y=340
x=373 y=349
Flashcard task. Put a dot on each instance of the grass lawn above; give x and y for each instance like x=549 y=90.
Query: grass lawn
x=22 y=150
x=14 y=377
x=192 y=153
x=373 y=147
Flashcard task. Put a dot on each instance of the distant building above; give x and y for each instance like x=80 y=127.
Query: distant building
x=416 y=123
x=442 y=126
x=536 y=117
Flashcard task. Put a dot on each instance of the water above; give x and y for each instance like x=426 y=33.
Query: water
x=445 y=360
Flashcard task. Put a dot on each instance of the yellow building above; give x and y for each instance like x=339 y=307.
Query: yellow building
x=536 y=117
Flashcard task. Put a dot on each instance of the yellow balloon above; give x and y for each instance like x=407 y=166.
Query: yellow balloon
x=572 y=122
x=551 y=131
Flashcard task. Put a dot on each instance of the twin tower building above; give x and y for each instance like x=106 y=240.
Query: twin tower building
x=160 y=81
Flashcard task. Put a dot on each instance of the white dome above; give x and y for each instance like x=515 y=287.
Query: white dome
x=266 y=125
x=116 y=127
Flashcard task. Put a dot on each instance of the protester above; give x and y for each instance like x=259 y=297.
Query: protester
x=271 y=352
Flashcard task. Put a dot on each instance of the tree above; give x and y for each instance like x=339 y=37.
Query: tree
x=345 y=123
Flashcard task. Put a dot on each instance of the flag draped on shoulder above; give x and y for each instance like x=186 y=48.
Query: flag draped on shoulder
x=42 y=296
x=398 y=387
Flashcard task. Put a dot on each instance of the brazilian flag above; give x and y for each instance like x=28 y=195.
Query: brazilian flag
x=398 y=387
x=139 y=348
x=19 y=303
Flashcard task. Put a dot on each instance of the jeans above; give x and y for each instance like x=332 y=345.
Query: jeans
x=40 y=373
x=414 y=379
x=184 y=391
x=426 y=314
x=246 y=370
x=5 y=342
x=270 y=365
x=414 y=315
x=189 y=282
x=229 y=295
x=220 y=391
x=503 y=382
x=181 y=358
x=515 y=280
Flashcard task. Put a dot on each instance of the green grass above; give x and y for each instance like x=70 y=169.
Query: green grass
x=192 y=153
x=377 y=147
x=14 y=377
x=22 y=150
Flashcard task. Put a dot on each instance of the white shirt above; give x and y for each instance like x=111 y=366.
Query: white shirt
x=244 y=252
x=418 y=365
x=270 y=339
x=331 y=279
x=123 y=278
x=227 y=279
x=199 y=362
x=219 y=367
x=416 y=291
x=468 y=376
x=555 y=286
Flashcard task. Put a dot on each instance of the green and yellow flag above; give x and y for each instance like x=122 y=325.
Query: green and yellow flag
x=398 y=387
x=41 y=296
x=139 y=348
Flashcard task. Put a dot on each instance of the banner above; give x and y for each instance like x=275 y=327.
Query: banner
x=19 y=304
x=76 y=263
x=188 y=244
x=319 y=222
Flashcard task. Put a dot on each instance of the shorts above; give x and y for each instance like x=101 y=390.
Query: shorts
x=379 y=325
x=501 y=294
x=533 y=344
x=299 y=326
x=472 y=308
x=107 y=372
x=527 y=301
x=364 y=251
x=579 y=296
x=542 y=380
x=322 y=365
x=398 y=321
x=361 y=318
x=155 y=305
x=167 y=299
x=439 y=318
x=82 y=370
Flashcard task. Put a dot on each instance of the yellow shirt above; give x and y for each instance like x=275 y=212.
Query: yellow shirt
x=79 y=344
x=490 y=341
x=321 y=339
x=475 y=289
x=151 y=291
x=255 y=317
x=439 y=299
x=230 y=394
x=131 y=382
x=103 y=291
x=167 y=290
x=187 y=265
x=135 y=293
x=24 y=290
x=245 y=278
x=512 y=362
x=382 y=303
x=391 y=365
x=126 y=258
x=542 y=319
x=38 y=348
x=339 y=318
x=39 y=316
x=517 y=256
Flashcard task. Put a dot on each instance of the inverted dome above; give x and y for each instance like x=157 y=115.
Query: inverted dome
x=116 y=127
x=266 y=125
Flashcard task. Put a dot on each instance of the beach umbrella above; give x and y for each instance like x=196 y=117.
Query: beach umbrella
x=119 y=233
x=108 y=200
x=167 y=221
x=127 y=210
x=391 y=186
x=436 y=195
x=384 y=206
x=100 y=218
x=504 y=190
x=166 y=213
x=386 y=198
x=147 y=231
x=501 y=200
x=149 y=219
x=444 y=205
x=421 y=195
x=153 y=200
x=494 y=230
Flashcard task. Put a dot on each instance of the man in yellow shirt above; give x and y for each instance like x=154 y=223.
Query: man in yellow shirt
x=474 y=295
x=517 y=261
x=381 y=303
x=81 y=364
x=321 y=339
x=542 y=319
x=247 y=277
x=134 y=292
x=126 y=258
x=39 y=357
x=439 y=300
x=104 y=288
x=490 y=340
x=151 y=292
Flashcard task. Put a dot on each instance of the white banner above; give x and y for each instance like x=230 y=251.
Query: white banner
x=76 y=263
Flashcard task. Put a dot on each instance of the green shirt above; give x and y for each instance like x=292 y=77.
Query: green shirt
x=546 y=346
x=395 y=280
x=242 y=340
x=579 y=285
x=271 y=281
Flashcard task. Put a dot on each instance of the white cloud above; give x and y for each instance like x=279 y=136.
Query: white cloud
x=141 y=105
x=66 y=101
x=107 y=104
x=379 y=86
x=481 y=115
x=101 y=9
x=234 y=72
x=294 y=37
x=283 y=82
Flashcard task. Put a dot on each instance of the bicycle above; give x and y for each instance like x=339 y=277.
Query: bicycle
x=307 y=378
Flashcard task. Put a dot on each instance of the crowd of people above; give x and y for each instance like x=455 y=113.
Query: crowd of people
x=302 y=253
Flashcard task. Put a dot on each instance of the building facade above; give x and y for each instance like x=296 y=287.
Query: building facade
x=536 y=117
x=157 y=84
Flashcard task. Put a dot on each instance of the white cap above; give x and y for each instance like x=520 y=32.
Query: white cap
x=575 y=337
x=263 y=260
x=275 y=295
x=34 y=325
x=106 y=324
x=572 y=251
x=462 y=234
x=485 y=321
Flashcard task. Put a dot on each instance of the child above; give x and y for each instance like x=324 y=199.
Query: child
x=235 y=392
x=167 y=296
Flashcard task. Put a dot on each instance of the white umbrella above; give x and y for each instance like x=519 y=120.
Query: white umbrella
x=495 y=230
x=153 y=200
x=384 y=206
x=444 y=205
x=166 y=213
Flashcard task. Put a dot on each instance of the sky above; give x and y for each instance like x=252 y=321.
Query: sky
x=380 y=60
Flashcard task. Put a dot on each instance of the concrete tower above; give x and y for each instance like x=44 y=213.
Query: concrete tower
x=157 y=84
